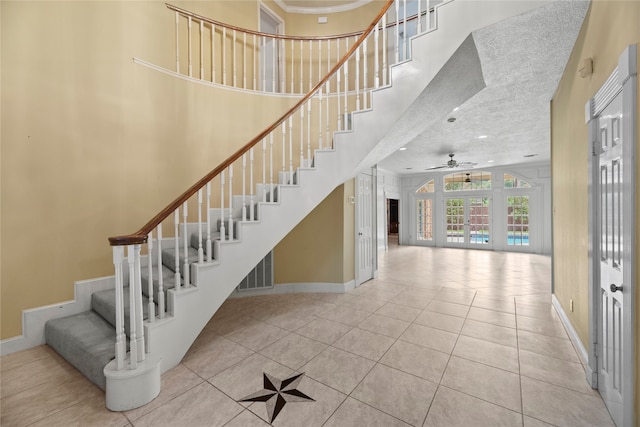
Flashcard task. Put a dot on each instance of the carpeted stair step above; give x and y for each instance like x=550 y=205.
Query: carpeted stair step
x=169 y=257
x=168 y=282
x=104 y=304
x=86 y=341
x=215 y=235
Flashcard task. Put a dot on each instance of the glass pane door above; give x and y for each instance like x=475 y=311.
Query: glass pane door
x=468 y=222
x=455 y=221
x=479 y=221
x=518 y=221
x=424 y=220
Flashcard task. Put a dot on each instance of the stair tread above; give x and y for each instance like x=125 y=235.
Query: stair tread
x=104 y=304
x=86 y=341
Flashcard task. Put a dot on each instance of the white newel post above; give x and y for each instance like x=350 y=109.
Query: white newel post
x=271 y=166
x=264 y=170
x=384 y=50
x=133 y=348
x=201 y=50
x=118 y=259
x=213 y=53
x=151 y=305
x=224 y=55
x=233 y=67
x=290 y=179
x=376 y=59
x=309 y=131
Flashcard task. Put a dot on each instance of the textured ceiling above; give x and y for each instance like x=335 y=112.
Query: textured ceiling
x=521 y=60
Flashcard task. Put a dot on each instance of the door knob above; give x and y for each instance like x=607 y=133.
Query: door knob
x=614 y=288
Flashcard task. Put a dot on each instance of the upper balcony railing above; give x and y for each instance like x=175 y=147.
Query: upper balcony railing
x=209 y=212
x=224 y=54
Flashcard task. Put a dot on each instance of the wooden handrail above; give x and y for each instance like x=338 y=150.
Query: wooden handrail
x=282 y=36
x=141 y=235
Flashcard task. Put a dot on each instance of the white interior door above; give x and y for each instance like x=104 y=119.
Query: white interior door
x=468 y=222
x=612 y=290
x=269 y=52
x=364 y=225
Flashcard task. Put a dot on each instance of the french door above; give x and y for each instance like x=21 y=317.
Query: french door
x=468 y=222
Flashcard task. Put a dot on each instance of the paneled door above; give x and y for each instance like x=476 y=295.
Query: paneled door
x=364 y=226
x=468 y=222
x=612 y=289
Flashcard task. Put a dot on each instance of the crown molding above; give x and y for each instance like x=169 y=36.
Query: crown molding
x=321 y=10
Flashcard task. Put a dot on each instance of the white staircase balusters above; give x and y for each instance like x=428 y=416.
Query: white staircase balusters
x=376 y=50
x=222 y=227
x=121 y=344
x=320 y=126
x=310 y=66
x=358 y=78
x=384 y=50
x=264 y=64
x=284 y=150
x=283 y=78
x=200 y=248
x=397 y=38
x=264 y=167
x=338 y=81
x=224 y=55
x=309 y=131
x=255 y=60
x=290 y=177
x=301 y=135
x=274 y=66
x=201 y=50
x=244 y=188
x=176 y=242
x=150 y=304
x=292 y=67
x=301 y=68
x=185 y=239
x=161 y=302
x=252 y=201
x=233 y=66
x=365 y=73
x=213 y=53
x=189 y=50
x=345 y=70
x=209 y=248
x=244 y=61
x=230 y=202
x=178 y=43
x=405 y=31
x=271 y=167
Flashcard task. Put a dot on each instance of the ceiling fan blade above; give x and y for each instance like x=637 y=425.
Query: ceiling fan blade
x=436 y=167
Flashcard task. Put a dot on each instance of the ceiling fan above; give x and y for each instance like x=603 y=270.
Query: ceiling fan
x=452 y=163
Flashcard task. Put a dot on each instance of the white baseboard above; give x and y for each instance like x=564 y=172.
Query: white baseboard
x=573 y=335
x=33 y=320
x=293 y=288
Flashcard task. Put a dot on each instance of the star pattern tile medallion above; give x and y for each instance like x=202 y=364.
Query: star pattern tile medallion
x=277 y=393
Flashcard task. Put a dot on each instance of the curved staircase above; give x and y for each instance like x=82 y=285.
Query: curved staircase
x=218 y=258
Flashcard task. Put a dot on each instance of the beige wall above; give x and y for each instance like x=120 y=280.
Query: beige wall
x=320 y=249
x=93 y=144
x=609 y=27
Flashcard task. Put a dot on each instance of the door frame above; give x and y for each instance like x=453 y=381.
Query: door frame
x=622 y=81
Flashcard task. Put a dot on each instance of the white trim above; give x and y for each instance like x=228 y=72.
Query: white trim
x=319 y=10
x=299 y=288
x=211 y=84
x=571 y=331
x=33 y=320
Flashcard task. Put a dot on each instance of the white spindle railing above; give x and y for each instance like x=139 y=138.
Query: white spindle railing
x=330 y=101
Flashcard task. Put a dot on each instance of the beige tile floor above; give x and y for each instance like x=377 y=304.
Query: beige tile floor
x=442 y=337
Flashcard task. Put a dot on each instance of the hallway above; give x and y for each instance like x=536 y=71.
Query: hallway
x=443 y=337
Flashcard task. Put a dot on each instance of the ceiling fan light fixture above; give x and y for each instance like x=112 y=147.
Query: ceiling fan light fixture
x=451 y=119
